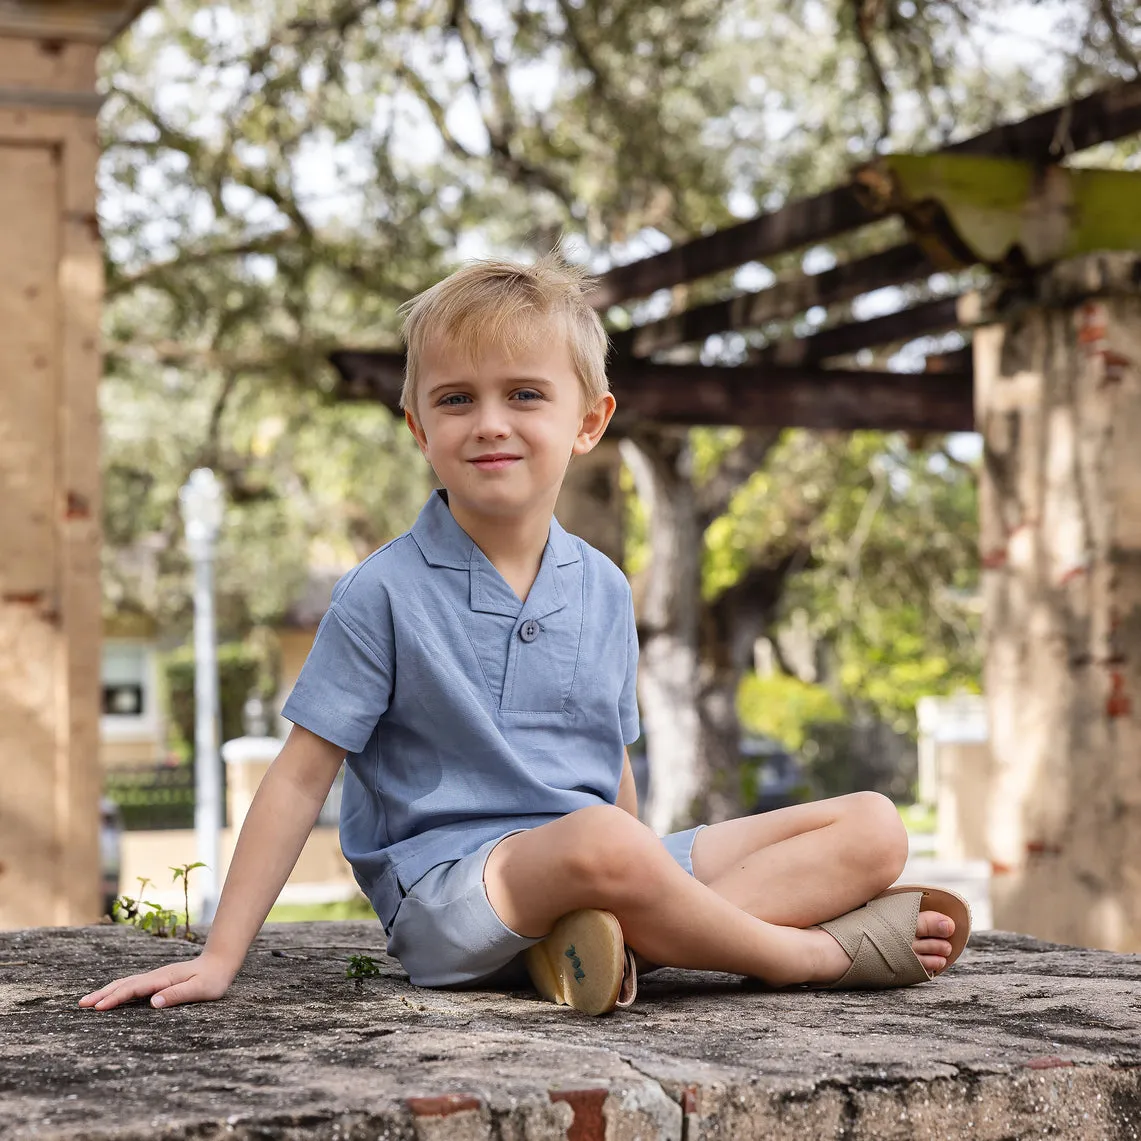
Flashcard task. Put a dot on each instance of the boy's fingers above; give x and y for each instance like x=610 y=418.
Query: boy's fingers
x=104 y=992
x=173 y=995
x=134 y=986
x=123 y=991
x=166 y=986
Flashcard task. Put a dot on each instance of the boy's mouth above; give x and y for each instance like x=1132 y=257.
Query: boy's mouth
x=493 y=461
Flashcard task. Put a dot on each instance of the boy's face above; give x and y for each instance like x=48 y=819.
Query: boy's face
x=500 y=432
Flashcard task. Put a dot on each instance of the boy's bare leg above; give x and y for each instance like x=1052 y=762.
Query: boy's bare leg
x=602 y=857
x=803 y=865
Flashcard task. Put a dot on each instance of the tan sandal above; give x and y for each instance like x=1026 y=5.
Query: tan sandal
x=584 y=964
x=878 y=936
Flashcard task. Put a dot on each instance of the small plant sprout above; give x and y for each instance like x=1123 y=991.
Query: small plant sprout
x=362 y=967
x=153 y=918
x=182 y=872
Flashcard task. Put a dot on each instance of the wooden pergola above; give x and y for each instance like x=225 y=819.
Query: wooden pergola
x=1001 y=200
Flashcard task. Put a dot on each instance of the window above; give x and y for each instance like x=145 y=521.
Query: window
x=128 y=680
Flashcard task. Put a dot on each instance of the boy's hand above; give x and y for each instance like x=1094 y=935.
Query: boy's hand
x=197 y=980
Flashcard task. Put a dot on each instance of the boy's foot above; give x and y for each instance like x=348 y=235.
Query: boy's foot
x=890 y=942
x=584 y=964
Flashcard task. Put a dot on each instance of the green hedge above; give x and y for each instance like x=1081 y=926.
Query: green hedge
x=241 y=668
x=150 y=798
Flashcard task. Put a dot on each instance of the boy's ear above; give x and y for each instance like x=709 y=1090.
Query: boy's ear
x=416 y=431
x=594 y=424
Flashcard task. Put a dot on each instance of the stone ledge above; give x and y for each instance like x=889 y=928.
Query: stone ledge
x=1022 y=1039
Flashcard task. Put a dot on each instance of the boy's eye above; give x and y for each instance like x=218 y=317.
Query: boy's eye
x=527 y=395
x=453 y=398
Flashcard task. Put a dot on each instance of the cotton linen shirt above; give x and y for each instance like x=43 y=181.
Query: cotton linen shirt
x=465 y=713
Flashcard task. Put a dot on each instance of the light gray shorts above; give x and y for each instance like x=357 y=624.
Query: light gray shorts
x=446 y=933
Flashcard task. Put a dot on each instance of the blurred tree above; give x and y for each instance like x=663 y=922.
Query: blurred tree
x=279 y=175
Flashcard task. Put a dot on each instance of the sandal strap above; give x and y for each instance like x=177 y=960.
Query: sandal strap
x=878 y=937
x=628 y=991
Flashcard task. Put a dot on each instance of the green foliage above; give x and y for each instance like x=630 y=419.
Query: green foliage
x=278 y=178
x=182 y=872
x=918 y=819
x=709 y=447
x=152 y=918
x=885 y=536
x=241 y=669
x=362 y=967
x=356 y=908
x=637 y=526
x=156 y=797
x=785 y=708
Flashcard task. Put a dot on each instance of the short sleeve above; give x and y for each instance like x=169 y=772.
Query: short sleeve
x=345 y=685
x=628 y=703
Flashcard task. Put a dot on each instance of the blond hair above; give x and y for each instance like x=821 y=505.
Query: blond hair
x=507 y=306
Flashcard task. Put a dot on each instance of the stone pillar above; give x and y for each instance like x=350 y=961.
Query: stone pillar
x=1058 y=399
x=49 y=463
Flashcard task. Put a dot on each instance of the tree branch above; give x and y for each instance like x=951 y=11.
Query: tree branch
x=499 y=112
x=266 y=244
x=1121 y=45
x=867 y=12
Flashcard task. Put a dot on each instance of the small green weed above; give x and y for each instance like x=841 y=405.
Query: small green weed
x=362 y=967
x=182 y=872
x=151 y=917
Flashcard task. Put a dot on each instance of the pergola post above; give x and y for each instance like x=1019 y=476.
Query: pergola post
x=49 y=458
x=1058 y=398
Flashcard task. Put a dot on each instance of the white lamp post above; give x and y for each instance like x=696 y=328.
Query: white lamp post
x=202 y=508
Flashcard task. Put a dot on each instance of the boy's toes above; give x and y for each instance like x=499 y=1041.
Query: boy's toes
x=933 y=964
x=932 y=925
x=938 y=947
x=931 y=940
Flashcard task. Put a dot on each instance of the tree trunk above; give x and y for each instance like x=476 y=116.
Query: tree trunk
x=730 y=627
x=659 y=460
x=1059 y=405
x=590 y=502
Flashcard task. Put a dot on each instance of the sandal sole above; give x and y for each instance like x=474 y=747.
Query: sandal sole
x=581 y=963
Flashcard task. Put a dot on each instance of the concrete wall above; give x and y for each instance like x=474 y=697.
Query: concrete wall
x=49 y=490
x=1058 y=399
x=49 y=462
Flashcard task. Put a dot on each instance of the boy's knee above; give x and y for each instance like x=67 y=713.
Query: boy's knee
x=879 y=834
x=614 y=855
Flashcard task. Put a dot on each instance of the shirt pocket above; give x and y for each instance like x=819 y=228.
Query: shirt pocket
x=542 y=663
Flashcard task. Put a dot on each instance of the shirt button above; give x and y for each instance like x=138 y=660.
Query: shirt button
x=529 y=631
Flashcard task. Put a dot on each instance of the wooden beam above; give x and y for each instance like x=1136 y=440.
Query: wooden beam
x=779 y=302
x=369 y=375
x=907 y=324
x=749 y=396
x=752 y=396
x=1112 y=113
x=798 y=224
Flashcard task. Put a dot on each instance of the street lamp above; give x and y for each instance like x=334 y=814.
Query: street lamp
x=202 y=508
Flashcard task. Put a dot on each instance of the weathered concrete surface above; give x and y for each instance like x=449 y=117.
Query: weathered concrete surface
x=1058 y=403
x=1022 y=1039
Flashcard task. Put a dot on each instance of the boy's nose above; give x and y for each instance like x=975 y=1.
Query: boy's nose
x=492 y=425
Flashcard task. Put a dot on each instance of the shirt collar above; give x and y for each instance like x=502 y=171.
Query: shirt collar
x=444 y=543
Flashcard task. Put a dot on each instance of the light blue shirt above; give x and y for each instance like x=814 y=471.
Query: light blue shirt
x=465 y=713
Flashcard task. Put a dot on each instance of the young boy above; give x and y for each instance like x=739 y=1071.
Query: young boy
x=477 y=675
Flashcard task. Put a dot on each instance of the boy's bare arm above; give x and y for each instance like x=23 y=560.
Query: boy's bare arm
x=627 y=790
x=275 y=830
